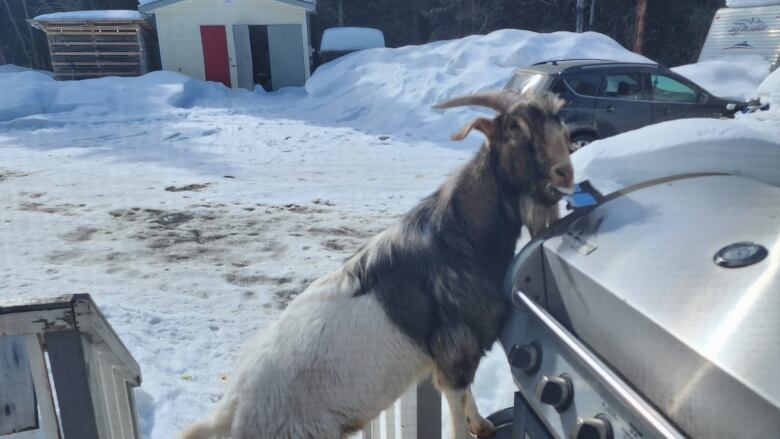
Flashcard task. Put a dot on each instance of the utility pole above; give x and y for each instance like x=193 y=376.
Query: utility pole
x=580 y=16
x=641 y=11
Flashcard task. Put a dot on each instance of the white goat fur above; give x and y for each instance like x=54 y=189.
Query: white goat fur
x=308 y=345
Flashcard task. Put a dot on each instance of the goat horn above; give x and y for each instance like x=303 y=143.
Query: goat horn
x=500 y=101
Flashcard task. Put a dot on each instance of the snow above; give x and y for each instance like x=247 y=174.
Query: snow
x=769 y=90
x=118 y=15
x=193 y=213
x=750 y=3
x=736 y=77
x=370 y=89
x=351 y=38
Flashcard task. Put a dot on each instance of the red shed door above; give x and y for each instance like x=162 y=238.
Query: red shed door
x=215 y=55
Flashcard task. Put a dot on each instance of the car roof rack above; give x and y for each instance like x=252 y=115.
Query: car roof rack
x=556 y=61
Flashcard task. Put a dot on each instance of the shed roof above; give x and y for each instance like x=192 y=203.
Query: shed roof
x=151 y=5
x=95 y=18
x=106 y=15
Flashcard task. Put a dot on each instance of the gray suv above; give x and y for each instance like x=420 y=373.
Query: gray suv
x=605 y=98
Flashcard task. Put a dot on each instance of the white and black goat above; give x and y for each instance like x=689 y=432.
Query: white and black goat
x=421 y=297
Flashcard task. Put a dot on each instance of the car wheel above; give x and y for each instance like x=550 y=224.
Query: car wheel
x=580 y=140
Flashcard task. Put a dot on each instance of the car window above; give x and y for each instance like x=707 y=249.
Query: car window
x=623 y=86
x=671 y=90
x=558 y=88
x=585 y=84
x=527 y=82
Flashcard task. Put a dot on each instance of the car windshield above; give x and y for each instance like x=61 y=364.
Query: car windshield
x=528 y=82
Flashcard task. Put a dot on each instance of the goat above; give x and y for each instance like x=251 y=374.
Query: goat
x=421 y=297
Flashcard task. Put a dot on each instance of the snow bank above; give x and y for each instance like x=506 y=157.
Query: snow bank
x=12 y=68
x=769 y=90
x=597 y=162
x=351 y=38
x=392 y=90
x=119 y=15
x=34 y=96
x=750 y=3
x=736 y=77
x=379 y=91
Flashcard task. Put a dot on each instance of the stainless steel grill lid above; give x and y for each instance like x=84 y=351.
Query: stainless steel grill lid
x=638 y=280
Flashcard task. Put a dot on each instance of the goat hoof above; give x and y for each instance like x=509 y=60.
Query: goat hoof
x=483 y=429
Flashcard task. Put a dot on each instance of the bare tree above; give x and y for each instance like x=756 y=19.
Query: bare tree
x=641 y=12
x=36 y=61
x=22 y=40
x=592 y=14
x=580 y=15
x=462 y=17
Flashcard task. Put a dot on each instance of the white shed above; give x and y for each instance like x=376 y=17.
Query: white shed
x=239 y=43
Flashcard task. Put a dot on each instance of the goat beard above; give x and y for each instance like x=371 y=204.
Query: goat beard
x=537 y=216
x=545 y=194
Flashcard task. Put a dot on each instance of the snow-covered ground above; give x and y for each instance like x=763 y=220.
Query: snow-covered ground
x=193 y=214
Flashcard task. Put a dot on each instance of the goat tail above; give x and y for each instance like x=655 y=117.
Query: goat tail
x=215 y=426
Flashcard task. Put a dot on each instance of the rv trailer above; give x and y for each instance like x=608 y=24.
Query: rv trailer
x=744 y=31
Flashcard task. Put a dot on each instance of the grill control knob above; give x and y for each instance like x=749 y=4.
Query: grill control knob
x=555 y=391
x=526 y=357
x=592 y=428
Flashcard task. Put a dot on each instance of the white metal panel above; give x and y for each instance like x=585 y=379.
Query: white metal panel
x=93 y=371
x=17 y=396
x=744 y=31
x=178 y=29
x=40 y=376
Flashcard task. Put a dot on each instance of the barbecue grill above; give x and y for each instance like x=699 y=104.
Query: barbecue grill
x=653 y=309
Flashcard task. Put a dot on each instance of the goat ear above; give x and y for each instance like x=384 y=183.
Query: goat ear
x=480 y=124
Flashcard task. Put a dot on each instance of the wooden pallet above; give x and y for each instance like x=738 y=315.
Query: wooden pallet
x=97 y=48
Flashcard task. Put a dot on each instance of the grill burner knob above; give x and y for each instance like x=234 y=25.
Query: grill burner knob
x=526 y=357
x=555 y=391
x=592 y=428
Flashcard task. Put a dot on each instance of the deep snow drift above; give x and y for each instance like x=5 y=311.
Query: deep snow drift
x=391 y=90
x=737 y=77
x=194 y=213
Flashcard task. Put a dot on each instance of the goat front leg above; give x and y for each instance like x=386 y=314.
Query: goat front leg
x=465 y=419
x=478 y=425
x=459 y=427
x=456 y=360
